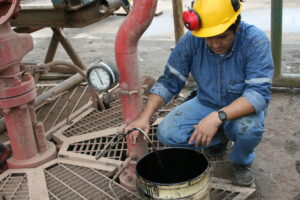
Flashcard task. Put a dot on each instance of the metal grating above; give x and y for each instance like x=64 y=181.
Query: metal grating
x=222 y=189
x=220 y=165
x=93 y=146
x=219 y=194
x=73 y=182
x=97 y=120
x=112 y=117
x=14 y=186
x=61 y=106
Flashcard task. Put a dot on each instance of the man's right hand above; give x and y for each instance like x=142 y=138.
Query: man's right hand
x=143 y=122
x=139 y=123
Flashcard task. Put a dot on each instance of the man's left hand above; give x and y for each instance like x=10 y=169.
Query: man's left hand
x=206 y=129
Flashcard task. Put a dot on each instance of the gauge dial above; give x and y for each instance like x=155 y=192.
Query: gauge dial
x=101 y=77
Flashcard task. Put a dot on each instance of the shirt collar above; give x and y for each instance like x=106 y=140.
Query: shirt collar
x=228 y=54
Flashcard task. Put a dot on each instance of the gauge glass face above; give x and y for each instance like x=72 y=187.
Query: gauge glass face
x=100 y=78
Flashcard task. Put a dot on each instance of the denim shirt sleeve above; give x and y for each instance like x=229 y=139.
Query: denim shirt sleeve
x=176 y=70
x=259 y=72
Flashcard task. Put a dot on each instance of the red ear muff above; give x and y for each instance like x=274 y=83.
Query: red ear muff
x=191 y=20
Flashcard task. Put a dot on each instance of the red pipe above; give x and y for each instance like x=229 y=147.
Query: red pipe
x=131 y=30
x=137 y=21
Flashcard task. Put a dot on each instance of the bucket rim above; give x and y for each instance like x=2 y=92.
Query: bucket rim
x=206 y=171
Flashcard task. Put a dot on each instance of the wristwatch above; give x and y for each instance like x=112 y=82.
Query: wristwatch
x=222 y=115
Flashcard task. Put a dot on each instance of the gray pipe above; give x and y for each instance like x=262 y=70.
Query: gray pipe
x=63 y=86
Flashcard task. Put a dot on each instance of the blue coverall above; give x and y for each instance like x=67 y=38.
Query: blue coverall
x=245 y=70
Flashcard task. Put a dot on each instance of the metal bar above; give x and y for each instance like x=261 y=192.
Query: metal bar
x=62 y=69
x=63 y=108
x=5 y=182
x=66 y=185
x=17 y=187
x=88 y=182
x=53 y=195
x=51 y=49
x=97 y=103
x=52 y=108
x=287 y=80
x=63 y=86
x=79 y=99
x=177 y=18
x=279 y=79
x=40 y=107
x=68 y=47
x=37 y=16
x=276 y=35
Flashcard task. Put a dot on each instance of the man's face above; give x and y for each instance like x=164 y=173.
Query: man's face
x=220 y=44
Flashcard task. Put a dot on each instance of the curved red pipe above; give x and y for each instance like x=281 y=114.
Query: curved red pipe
x=135 y=24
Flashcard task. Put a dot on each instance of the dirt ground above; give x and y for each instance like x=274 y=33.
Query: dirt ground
x=277 y=165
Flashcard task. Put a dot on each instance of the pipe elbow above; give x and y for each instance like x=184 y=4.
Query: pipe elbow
x=135 y=24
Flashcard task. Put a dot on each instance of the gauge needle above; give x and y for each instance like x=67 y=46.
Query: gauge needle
x=99 y=77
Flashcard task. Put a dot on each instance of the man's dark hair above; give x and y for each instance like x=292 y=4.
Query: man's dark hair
x=236 y=24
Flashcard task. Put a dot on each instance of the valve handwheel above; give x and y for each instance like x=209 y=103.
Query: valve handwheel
x=7 y=9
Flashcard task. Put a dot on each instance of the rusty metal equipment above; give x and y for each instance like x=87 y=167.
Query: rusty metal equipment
x=63 y=14
x=137 y=21
x=17 y=93
x=59 y=14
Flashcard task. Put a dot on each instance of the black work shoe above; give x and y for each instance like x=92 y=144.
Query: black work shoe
x=242 y=176
x=218 y=150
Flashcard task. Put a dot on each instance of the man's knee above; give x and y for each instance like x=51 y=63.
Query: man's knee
x=171 y=133
x=250 y=127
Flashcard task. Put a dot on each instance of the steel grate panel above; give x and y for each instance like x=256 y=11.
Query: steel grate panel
x=97 y=120
x=61 y=106
x=14 y=186
x=112 y=117
x=219 y=194
x=93 y=146
x=73 y=182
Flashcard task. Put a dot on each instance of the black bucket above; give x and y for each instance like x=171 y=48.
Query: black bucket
x=178 y=173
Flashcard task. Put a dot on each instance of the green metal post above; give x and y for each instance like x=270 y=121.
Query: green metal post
x=276 y=35
x=280 y=79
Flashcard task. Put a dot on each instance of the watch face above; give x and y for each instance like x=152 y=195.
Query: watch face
x=99 y=78
x=222 y=116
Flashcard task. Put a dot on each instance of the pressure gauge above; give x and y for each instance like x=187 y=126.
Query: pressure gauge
x=102 y=76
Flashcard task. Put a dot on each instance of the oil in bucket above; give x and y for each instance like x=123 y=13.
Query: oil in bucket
x=173 y=173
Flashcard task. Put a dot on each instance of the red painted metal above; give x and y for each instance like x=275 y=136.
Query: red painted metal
x=17 y=95
x=8 y=9
x=137 y=21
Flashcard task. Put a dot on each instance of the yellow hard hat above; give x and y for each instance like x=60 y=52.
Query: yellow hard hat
x=216 y=16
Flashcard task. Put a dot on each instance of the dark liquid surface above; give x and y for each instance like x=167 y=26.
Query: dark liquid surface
x=172 y=165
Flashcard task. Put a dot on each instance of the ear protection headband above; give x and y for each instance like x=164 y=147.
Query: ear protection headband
x=235 y=4
x=192 y=21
